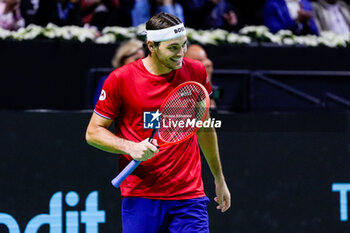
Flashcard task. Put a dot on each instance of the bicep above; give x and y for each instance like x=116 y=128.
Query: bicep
x=98 y=121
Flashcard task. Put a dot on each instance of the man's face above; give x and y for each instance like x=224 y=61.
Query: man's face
x=196 y=52
x=169 y=53
x=137 y=55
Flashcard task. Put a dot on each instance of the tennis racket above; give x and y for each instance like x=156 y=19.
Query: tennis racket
x=181 y=109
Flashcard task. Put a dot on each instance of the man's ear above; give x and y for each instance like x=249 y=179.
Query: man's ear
x=151 y=46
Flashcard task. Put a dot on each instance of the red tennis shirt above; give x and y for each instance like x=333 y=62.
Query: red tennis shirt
x=175 y=172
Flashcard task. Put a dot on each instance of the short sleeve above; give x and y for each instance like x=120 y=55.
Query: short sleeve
x=109 y=102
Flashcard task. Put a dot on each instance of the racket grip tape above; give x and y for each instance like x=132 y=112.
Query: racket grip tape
x=152 y=136
x=125 y=173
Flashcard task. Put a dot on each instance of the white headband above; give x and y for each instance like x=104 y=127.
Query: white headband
x=166 y=33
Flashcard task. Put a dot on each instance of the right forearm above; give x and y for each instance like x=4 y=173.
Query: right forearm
x=105 y=140
x=98 y=135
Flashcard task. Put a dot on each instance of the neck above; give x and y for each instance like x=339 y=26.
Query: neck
x=154 y=66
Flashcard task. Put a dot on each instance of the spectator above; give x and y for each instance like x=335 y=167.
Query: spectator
x=247 y=14
x=10 y=15
x=127 y=52
x=332 y=15
x=196 y=52
x=168 y=6
x=101 y=13
x=293 y=15
x=207 y=14
x=29 y=8
x=90 y=8
x=140 y=12
x=59 y=12
x=144 y=9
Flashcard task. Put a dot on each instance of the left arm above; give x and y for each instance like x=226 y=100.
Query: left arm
x=209 y=144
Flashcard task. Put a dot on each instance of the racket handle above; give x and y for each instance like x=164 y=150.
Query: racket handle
x=125 y=173
x=129 y=168
x=152 y=136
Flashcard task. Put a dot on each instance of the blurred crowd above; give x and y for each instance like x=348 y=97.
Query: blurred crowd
x=299 y=16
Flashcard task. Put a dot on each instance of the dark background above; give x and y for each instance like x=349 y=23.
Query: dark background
x=53 y=74
x=279 y=167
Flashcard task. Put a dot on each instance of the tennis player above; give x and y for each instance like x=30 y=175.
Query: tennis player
x=165 y=193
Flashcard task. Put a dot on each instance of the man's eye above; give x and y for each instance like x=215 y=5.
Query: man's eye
x=173 y=48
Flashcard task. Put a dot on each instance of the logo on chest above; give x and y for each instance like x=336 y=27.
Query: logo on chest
x=151 y=120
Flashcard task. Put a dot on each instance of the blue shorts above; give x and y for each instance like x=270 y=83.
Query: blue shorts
x=140 y=215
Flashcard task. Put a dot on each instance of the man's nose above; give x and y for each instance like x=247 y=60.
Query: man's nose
x=181 y=52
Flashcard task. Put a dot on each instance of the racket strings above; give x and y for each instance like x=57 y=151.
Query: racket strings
x=180 y=113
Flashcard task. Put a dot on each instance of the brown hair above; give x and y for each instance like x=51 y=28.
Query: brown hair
x=160 y=21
